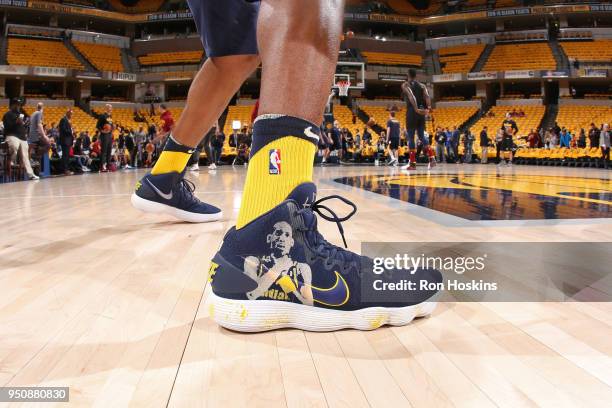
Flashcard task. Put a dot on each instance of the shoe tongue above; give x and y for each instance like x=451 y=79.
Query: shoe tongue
x=305 y=194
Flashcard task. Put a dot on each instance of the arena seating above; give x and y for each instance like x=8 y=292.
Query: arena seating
x=405 y=7
x=44 y=53
x=506 y=3
x=599 y=50
x=450 y=116
x=387 y=58
x=171 y=58
x=575 y=118
x=460 y=58
x=476 y=4
x=345 y=117
x=531 y=120
x=103 y=57
x=176 y=114
x=237 y=112
x=520 y=56
x=142 y=6
x=81 y=121
x=561 y=156
x=380 y=114
x=123 y=117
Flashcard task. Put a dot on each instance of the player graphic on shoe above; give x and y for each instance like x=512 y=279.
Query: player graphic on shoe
x=277 y=275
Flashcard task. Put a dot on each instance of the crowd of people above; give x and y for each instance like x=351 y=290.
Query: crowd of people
x=367 y=145
x=113 y=146
x=110 y=148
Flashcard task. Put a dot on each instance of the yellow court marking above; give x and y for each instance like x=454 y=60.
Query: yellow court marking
x=552 y=186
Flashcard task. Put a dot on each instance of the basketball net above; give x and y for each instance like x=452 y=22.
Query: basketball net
x=343 y=87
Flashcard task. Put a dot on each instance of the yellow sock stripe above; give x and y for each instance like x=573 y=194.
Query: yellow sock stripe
x=264 y=191
x=169 y=162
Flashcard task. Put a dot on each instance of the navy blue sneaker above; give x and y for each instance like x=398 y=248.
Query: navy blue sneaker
x=279 y=272
x=172 y=194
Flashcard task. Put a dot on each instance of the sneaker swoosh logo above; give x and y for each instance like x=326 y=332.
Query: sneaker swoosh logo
x=309 y=133
x=162 y=195
x=335 y=296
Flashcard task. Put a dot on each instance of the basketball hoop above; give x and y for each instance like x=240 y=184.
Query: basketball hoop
x=343 y=87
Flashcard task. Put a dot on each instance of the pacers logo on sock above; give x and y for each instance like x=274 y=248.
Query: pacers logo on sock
x=275 y=161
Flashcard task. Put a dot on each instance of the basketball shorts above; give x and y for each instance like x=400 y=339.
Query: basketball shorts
x=416 y=124
x=506 y=144
x=394 y=143
x=227 y=27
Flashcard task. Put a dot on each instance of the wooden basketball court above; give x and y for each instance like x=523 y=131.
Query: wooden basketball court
x=113 y=304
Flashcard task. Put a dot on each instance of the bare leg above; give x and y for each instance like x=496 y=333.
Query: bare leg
x=210 y=92
x=298 y=43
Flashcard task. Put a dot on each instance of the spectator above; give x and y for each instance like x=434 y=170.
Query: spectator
x=533 y=139
x=367 y=136
x=448 y=143
x=565 y=138
x=15 y=134
x=217 y=145
x=440 y=145
x=37 y=136
x=593 y=136
x=484 y=146
x=604 y=144
x=130 y=146
x=455 y=142
x=66 y=139
x=582 y=139
x=79 y=154
x=468 y=143
x=105 y=127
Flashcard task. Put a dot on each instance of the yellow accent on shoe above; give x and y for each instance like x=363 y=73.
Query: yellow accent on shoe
x=264 y=191
x=286 y=284
x=170 y=162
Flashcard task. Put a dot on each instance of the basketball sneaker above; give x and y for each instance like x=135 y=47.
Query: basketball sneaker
x=172 y=194
x=279 y=272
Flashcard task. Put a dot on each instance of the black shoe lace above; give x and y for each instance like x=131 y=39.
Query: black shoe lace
x=321 y=247
x=187 y=189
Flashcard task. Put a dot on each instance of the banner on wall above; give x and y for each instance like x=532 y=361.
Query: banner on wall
x=121 y=76
x=14 y=3
x=387 y=76
x=478 y=76
x=447 y=77
x=593 y=73
x=508 y=12
x=50 y=71
x=13 y=70
x=174 y=15
x=555 y=74
x=601 y=7
x=517 y=74
x=88 y=75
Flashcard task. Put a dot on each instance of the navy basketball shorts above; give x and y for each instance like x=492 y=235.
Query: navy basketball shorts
x=394 y=143
x=227 y=27
x=416 y=124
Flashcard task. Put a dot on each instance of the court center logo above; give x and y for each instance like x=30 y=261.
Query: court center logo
x=275 y=161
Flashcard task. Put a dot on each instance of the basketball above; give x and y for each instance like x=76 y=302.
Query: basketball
x=107 y=128
x=350 y=34
x=371 y=122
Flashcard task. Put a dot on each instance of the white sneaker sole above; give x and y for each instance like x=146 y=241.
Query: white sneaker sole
x=158 y=208
x=264 y=315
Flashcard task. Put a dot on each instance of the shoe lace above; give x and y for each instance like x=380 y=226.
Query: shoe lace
x=322 y=247
x=187 y=189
